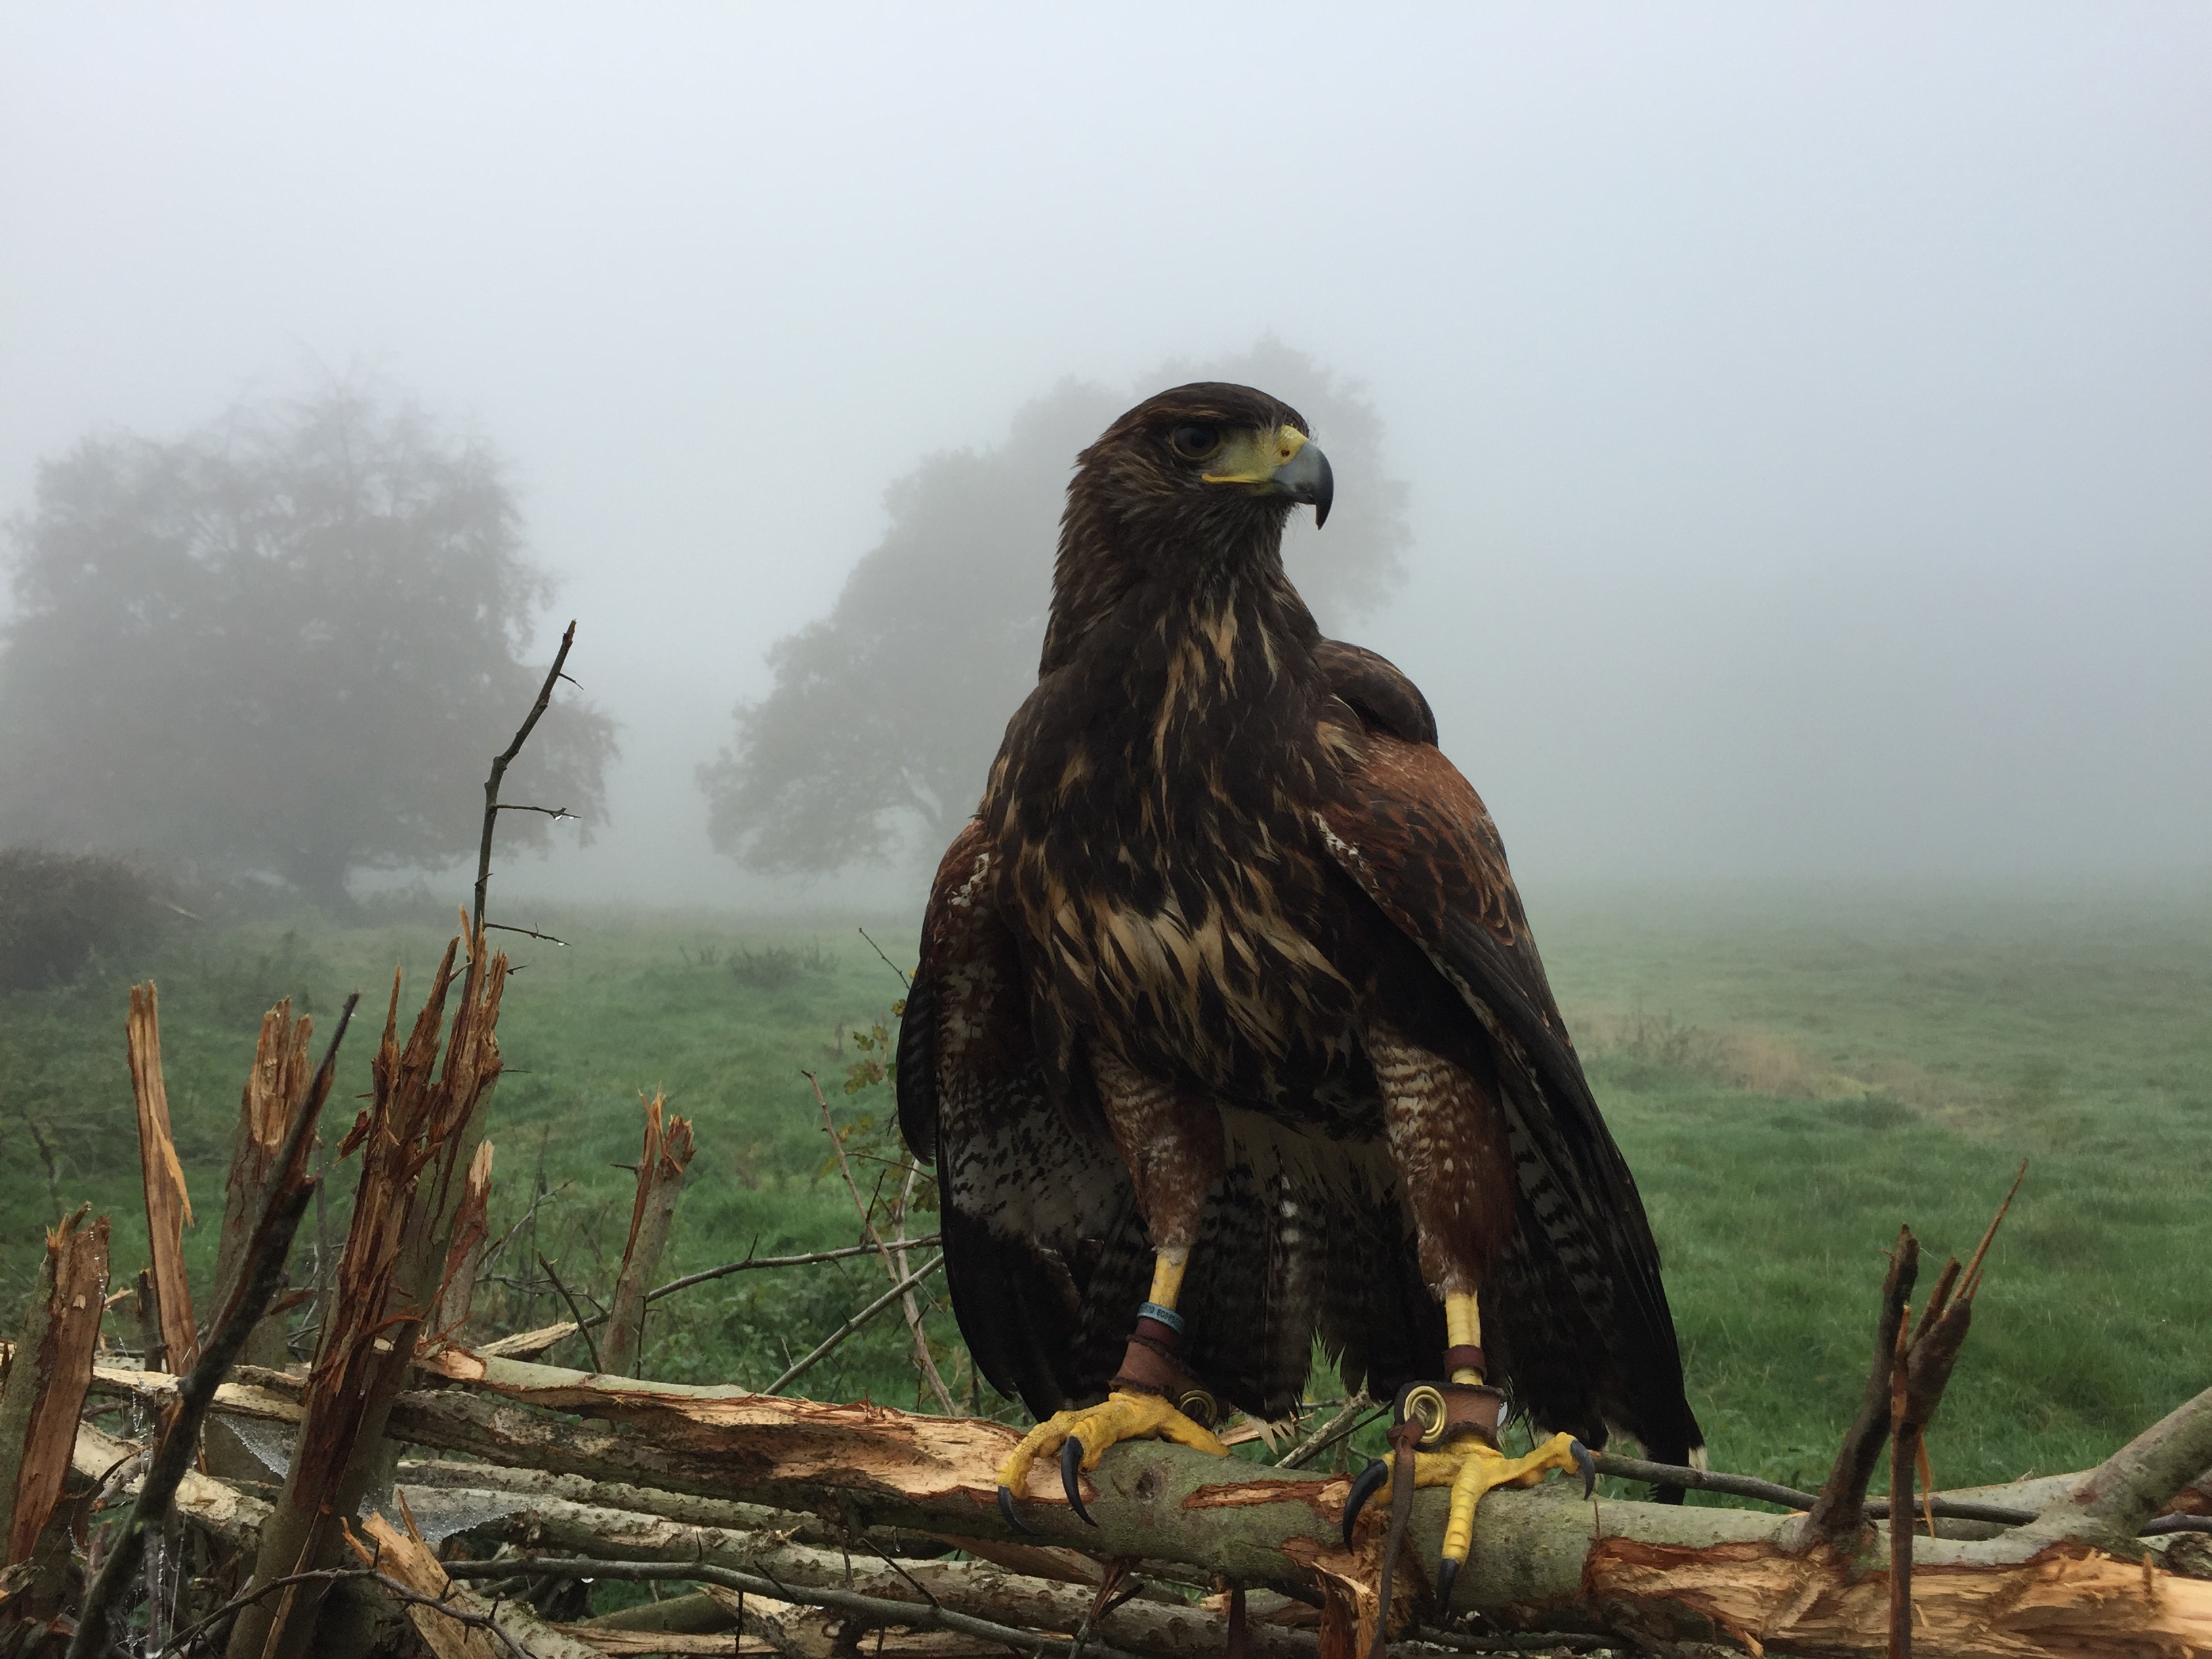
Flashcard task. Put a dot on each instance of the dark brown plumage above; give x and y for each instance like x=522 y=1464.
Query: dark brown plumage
x=1230 y=960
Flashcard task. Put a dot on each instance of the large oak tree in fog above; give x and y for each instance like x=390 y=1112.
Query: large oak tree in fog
x=285 y=646
x=886 y=712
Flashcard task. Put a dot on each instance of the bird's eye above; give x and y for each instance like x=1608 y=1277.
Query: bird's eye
x=1194 y=443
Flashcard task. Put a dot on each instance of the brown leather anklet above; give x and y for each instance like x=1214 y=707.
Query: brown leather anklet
x=1445 y=1408
x=1149 y=1366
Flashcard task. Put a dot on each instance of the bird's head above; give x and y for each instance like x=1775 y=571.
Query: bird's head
x=1202 y=466
x=1196 y=480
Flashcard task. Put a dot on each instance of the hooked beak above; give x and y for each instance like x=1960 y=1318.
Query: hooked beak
x=1283 y=463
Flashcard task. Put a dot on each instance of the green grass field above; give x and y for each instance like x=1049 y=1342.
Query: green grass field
x=1791 y=1077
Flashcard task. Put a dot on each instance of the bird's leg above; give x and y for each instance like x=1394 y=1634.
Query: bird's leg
x=1152 y=1397
x=1446 y=1435
x=1451 y=1150
x=1175 y=1150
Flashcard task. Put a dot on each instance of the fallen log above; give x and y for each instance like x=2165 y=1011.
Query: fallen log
x=1541 y=1558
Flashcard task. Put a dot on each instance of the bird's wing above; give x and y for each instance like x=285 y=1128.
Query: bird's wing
x=1040 y=1222
x=1582 y=1324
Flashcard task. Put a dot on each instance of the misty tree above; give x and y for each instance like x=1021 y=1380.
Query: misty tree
x=287 y=646
x=886 y=712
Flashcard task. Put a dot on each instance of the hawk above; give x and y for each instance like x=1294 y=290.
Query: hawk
x=1228 y=1035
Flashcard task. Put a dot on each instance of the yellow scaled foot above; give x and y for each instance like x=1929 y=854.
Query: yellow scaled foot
x=1083 y=1437
x=1471 y=1466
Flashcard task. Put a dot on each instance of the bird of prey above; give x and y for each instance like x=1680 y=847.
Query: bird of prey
x=1229 y=1033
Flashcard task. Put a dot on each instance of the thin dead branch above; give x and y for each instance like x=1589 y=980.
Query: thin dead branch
x=836 y=1337
x=500 y=762
x=892 y=1266
x=581 y=1327
x=1346 y=1419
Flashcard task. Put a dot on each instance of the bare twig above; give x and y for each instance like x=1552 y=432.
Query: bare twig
x=527 y=932
x=836 y=1337
x=1345 y=1421
x=48 y=1157
x=557 y=813
x=752 y=1262
x=261 y=1272
x=892 y=1266
x=583 y=1329
x=499 y=765
x=905 y=978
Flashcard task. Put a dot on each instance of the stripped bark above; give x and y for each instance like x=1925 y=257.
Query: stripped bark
x=48 y=1373
x=414 y=1139
x=169 y=1206
x=660 y=1166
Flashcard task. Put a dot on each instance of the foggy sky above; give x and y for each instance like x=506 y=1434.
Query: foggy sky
x=1807 y=411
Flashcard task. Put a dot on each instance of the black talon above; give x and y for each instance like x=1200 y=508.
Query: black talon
x=1445 y=1574
x=1006 y=1509
x=1588 y=1465
x=1071 y=1477
x=1369 y=1482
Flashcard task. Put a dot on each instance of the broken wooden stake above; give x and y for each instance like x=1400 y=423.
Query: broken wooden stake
x=46 y=1379
x=169 y=1206
x=660 y=1165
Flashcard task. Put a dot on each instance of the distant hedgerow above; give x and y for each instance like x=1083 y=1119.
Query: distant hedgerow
x=59 y=909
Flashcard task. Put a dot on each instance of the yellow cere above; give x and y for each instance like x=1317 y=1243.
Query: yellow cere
x=1254 y=458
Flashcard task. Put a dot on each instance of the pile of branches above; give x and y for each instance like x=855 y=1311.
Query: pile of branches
x=445 y=1491
x=448 y=1492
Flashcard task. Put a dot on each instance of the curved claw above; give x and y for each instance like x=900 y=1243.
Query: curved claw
x=1006 y=1510
x=1587 y=1464
x=1445 y=1573
x=1071 y=1477
x=1369 y=1482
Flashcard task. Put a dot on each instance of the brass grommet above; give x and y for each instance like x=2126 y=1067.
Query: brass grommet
x=1425 y=1404
x=1200 y=1407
